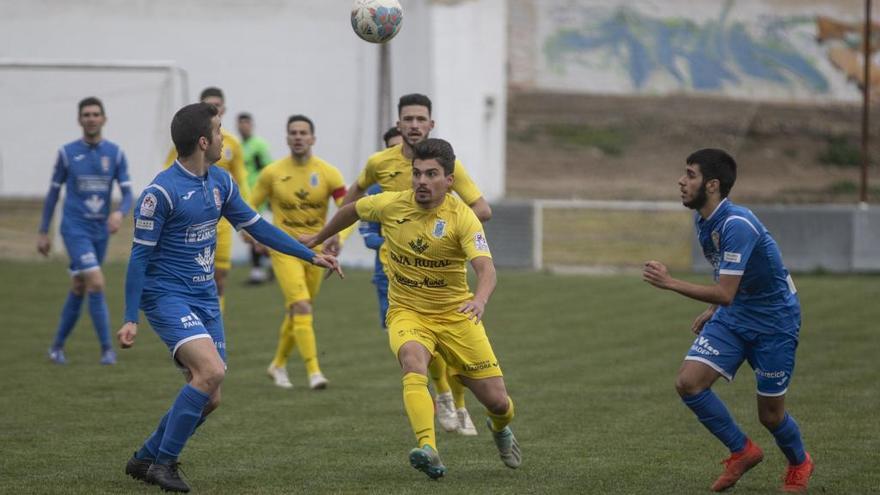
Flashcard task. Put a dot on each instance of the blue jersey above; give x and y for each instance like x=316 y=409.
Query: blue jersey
x=87 y=171
x=175 y=237
x=736 y=243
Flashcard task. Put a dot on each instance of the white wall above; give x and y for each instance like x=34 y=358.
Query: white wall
x=273 y=58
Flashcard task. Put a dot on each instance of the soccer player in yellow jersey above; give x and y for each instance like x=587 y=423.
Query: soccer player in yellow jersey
x=430 y=236
x=299 y=189
x=391 y=168
x=232 y=161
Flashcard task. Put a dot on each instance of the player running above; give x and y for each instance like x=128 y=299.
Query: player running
x=429 y=237
x=754 y=315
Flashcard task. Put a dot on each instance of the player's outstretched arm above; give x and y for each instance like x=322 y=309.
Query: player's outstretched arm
x=346 y=216
x=722 y=293
x=486 y=281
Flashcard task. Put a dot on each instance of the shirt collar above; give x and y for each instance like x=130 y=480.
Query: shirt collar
x=717 y=209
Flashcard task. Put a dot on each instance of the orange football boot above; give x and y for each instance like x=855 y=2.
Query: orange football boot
x=737 y=464
x=797 y=477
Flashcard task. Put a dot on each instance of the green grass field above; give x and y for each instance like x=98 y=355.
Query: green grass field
x=589 y=361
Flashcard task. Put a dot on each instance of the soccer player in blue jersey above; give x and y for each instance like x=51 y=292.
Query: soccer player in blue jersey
x=754 y=315
x=171 y=278
x=87 y=168
x=372 y=234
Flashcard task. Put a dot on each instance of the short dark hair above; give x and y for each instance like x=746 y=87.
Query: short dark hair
x=88 y=102
x=301 y=118
x=437 y=149
x=413 y=99
x=245 y=116
x=211 y=91
x=715 y=164
x=390 y=133
x=189 y=124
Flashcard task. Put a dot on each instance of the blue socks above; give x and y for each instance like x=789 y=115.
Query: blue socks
x=69 y=315
x=100 y=318
x=150 y=448
x=788 y=438
x=181 y=422
x=717 y=419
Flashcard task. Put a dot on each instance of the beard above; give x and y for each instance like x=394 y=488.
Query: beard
x=699 y=200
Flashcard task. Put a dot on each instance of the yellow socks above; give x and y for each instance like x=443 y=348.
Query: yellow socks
x=419 y=408
x=304 y=334
x=222 y=304
x=437 y=369
x=500 y=421
x=286 y=342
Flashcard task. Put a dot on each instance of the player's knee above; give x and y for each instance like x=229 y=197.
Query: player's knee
x=211 y=377
x=78 y=286
x=771 y=419
x=687 y=387
x=498 y=404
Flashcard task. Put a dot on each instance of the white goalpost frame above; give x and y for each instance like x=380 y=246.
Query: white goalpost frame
x=162 y=66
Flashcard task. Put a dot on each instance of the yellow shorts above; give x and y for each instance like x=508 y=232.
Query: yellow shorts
x=223 y=255
x=298 y=279
x=462 y=343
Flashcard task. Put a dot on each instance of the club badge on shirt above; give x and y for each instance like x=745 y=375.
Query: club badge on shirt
x=439 y=228
x=105 y=164
x=313 y=180
x=217 y=201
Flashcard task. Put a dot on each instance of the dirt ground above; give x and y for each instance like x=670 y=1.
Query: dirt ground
x=612 y=147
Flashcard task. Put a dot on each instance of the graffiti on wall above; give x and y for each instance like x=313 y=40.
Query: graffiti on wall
x=741 y=48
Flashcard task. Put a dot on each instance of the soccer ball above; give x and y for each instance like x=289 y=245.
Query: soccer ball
x=376 y=21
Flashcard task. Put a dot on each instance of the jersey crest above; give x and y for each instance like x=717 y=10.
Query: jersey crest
x=105 y=164
x=313 y=180
x=439 y=228
x=217 y=201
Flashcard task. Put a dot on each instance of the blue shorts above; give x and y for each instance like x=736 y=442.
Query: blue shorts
x=381 y=283
x=177 y=323
x=771 y=355
x=86 y=253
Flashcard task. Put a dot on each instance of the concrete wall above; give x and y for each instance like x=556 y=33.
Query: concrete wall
x=833 y=238
x=273 y=58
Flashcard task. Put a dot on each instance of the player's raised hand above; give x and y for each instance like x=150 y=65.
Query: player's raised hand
x=329 y=262
x=474 y=309
x=126 y=335
x=656 y=274
x=114 y=221
x=44 y=244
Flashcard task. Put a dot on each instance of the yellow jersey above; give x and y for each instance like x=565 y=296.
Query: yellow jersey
x=393 y=172
x=427 y=250
x=232 y=161
x=298 y=194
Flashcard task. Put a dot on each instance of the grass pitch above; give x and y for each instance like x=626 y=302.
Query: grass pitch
x=589 y=361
